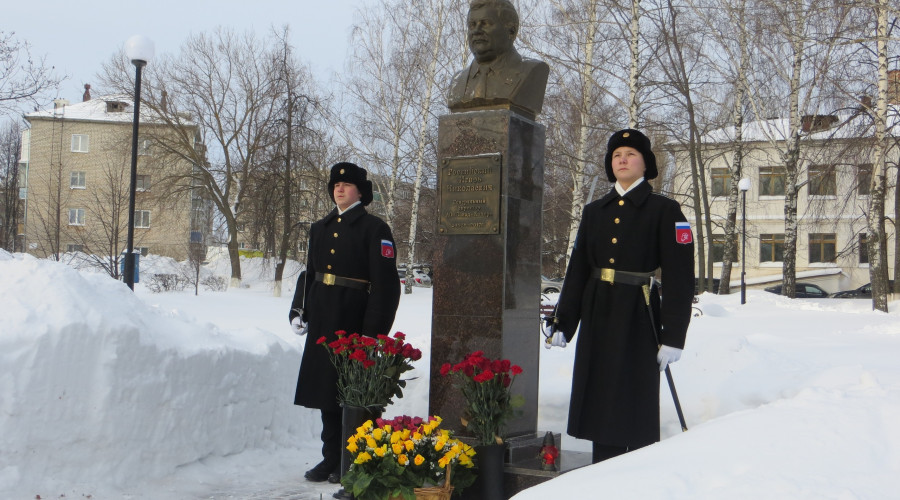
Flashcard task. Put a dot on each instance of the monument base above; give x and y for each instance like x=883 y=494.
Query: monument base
x=523 y=464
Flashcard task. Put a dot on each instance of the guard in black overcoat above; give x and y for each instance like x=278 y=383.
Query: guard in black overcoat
x=351 y=284
x=623 y=239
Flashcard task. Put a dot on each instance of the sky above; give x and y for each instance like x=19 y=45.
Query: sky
x=107 y=393
x=77 y=37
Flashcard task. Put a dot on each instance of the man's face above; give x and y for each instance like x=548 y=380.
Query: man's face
x=345 y=194
x=488 y=37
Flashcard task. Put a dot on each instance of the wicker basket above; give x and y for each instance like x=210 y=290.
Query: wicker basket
x=436 y=492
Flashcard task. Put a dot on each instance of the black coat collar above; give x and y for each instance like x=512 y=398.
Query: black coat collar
x=638 y=195
x=350 y=215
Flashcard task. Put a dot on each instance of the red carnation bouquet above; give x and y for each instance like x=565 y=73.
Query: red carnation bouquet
x=485 y=384
x=369 y=369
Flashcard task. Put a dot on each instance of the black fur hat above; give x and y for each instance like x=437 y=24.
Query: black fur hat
x=353 y=174
x=633 y=139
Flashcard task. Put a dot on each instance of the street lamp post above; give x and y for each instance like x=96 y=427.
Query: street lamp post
x=744 y=186
x=139 y=50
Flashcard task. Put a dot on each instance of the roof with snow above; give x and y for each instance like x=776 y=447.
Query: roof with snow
x=109 y=108
x=844 y=125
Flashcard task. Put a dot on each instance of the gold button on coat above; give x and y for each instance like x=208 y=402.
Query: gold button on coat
x=612 y=261
x=621 y=202
x=615 y=240
x=335 y=235
x=332 y=251
x=617 y=220
x=329 y=266
x=339 y=219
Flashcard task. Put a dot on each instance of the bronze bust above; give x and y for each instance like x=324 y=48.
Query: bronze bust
x=499 y=77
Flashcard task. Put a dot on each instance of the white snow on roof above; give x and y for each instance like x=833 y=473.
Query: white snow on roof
x=848 y=125
x=97 y=109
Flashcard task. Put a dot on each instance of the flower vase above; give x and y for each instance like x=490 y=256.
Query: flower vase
x=352 y=417
x=490 y=459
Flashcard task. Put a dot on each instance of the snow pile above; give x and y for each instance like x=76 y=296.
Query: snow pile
x=98 y=388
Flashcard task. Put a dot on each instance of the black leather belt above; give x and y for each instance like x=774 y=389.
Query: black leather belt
x=330 y=279
x=625 y=277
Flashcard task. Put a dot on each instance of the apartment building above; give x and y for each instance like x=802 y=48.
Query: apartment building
x=835 y=171
x=76 y=160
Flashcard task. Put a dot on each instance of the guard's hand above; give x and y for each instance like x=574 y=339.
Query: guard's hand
x=299 y=326
x=667 y=355
x=557 y=339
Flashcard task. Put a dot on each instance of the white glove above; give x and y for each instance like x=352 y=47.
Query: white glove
x=299 y=326
x=555 y=340
x=667 y=355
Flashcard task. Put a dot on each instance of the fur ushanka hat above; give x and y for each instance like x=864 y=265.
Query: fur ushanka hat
x=353 y=174
x=633 y=139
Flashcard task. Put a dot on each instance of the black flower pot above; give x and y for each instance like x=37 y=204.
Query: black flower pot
x=490 y=459
x=351 y=419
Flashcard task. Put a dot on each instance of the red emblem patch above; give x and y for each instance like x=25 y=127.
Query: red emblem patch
x=683 y=233
x=387 y=249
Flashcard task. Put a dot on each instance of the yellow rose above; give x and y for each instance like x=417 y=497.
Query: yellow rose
x=419 y=460
x=396 y=437
x=381 y=450
x=464 y=460
x=352 y=447
x=417 y=436
x=362 y=458
x=371 y=443
x=397 y=448
x=402 y=459
x=378 y=434
x=409 y=445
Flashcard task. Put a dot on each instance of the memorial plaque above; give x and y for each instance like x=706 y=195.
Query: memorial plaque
x=469 y=200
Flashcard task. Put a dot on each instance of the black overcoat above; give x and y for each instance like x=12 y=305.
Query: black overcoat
x=356 y=245
x=615 y=383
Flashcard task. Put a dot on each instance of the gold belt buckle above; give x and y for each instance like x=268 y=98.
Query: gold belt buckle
x=607 y=274
x=328 y=279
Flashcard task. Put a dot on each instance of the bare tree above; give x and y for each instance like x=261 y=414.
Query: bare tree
x=218 y=96
x=10 y=143
x=23 y=78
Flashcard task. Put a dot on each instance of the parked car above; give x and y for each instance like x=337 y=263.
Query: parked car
x=863 y=292
x=802 y=291
x=551 y=285
x=420 y=277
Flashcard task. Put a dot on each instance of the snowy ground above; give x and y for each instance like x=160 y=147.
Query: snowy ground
x=112 y=394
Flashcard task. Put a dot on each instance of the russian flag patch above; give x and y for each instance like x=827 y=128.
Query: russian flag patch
x=387 y=249
x=683 y=233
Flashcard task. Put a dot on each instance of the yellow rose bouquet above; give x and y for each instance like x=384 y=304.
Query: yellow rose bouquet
x=392 y=458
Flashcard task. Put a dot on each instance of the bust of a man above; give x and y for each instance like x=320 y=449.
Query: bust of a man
x=499 y=77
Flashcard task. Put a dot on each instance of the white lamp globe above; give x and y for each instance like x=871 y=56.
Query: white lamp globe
x=139 y=49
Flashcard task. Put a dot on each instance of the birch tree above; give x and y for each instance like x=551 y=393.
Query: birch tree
x=10 y=143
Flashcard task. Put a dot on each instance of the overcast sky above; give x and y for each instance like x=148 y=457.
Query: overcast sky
x=78 y=36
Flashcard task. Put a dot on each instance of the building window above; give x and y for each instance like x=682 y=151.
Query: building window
x=197 y=204
x=771 y=247
x=76 y=216
x=720 y=178
x=822 y=247
x=72 y=247
x=80 y=143
x=718 y=248
x=822 y=180
x=142 y=250
x=142 y=219
x=863 y=249
x=23 y=193
x=77 y=180
x=142 y=183
x=144 y=146
x=863 y=179
x=771 y=181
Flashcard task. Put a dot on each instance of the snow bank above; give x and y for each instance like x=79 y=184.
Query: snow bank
x=100 y=388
